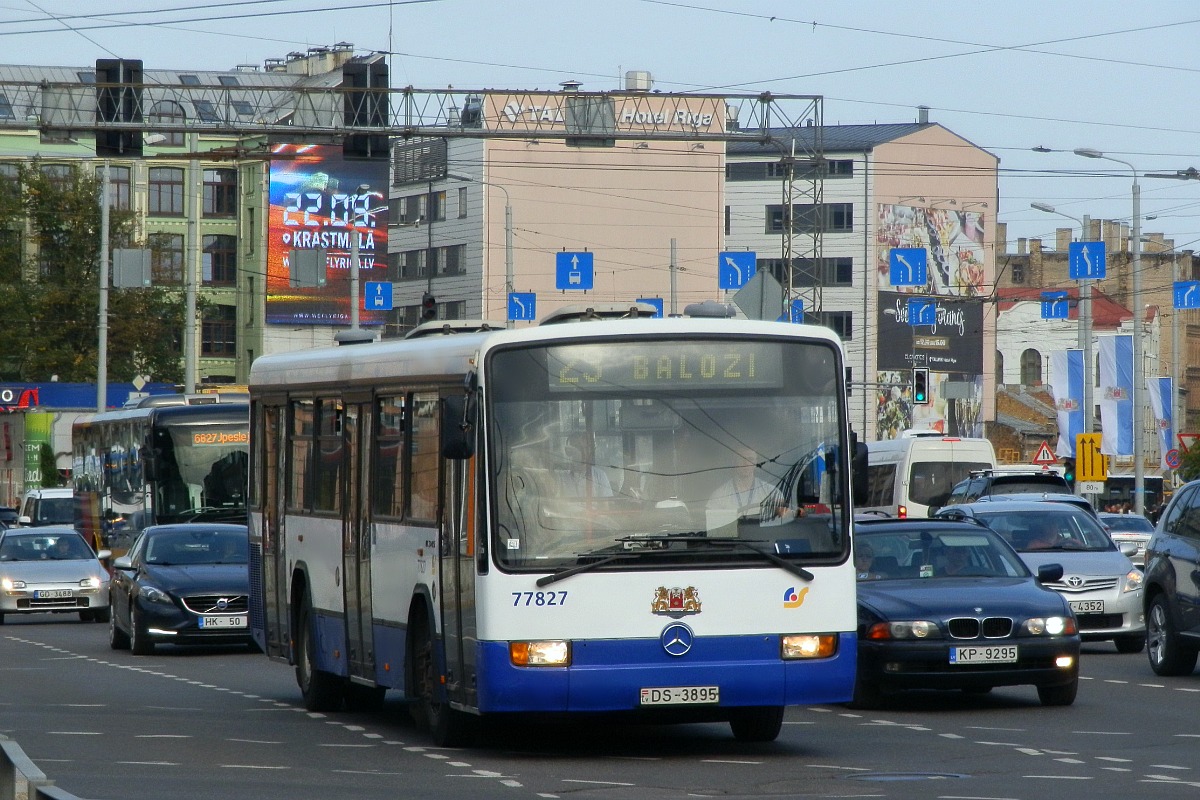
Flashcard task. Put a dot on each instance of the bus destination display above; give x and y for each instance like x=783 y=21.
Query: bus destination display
x=665 y=366
x=209 y=437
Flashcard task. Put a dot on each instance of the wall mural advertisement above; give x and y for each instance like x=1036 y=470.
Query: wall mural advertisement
x=954 y=240
x=952 y=350
x=318 y=200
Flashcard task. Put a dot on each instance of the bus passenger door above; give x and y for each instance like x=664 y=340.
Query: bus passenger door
x=356 y=544
x=274 y=555
x=459 y=621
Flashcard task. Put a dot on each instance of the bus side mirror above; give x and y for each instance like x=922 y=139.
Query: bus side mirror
x=858 y=470
x=458 y=427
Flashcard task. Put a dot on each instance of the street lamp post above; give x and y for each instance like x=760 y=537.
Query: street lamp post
x=1139 y=372
x=1085 y=321
x=508 y=239
x=102 y=343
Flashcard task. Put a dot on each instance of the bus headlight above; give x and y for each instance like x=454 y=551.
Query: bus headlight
x=540 y=654
x=809 y=645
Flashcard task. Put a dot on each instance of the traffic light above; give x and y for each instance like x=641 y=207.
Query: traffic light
x=428 y=307
x=920 y=387
x=1069 y=471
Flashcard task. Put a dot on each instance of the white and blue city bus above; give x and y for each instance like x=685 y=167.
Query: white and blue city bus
x=647 y=517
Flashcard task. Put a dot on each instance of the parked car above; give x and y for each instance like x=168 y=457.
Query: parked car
x=1173 y=585
x=8 y=517
x=986 y=482
x=50 y=506
x=51 y=569
x=1133 y=528
x=948 y=604
x=183 y=584
x=1102 y=585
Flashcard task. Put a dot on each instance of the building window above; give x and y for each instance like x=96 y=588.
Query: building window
x=840 y=322
x=437 y=206
x=166 y=192
x=462 y=202
x=728 y=220
x=166 y=258
x=1031 y=368
x=59 y=175
x=10 y=179
x=120 y=186
x=808 y=272
x=167 y=112
x=999 y=368
x=453 y=309
x=810 y=218
x=218 y=335
x=6 y=109
x=220 y=260
x=452 y=259
x=778 y=170
x=411 y=264
x=1018 y=273
x=220 y=192
x=206 y=111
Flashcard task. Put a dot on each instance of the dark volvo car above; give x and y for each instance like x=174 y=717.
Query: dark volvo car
x=182 y=584
x=950 y=605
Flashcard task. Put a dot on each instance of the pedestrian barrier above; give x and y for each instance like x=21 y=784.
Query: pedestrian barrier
x=20 y=778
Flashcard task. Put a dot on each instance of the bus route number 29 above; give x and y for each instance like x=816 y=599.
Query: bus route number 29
x=539 y=599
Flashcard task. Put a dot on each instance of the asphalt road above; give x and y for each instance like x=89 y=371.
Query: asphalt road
x=107 y=725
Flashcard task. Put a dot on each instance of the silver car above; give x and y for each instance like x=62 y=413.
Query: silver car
x=1129 y=528
x=51 y=569
x=1100 y=583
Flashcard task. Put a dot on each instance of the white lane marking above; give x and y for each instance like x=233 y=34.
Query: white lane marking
x=1102 y=733
x=1114 y=680
x=729 y=761
x=1070 y=760
x=1062 y=777
x=512 y=784
x=1152 y=685
x=346 y=745
x=1168 y=766
x=990 y=728
x=149 y=763
x=951 y=736
x=162 y=736
x=74 y=733
x=1117 y=769
x=458 y=764
x=1114 y=758
x=997 y=744
x=364 y=772
x=436 y=755
x=251 y=766
x=786 y=722
x=253 y=741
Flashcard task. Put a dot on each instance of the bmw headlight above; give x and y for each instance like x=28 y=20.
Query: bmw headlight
x=1133 y=580
x=152 y=594
x=909 y=629
x=1050 y=626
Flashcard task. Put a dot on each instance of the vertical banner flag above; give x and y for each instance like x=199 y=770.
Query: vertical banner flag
x=1066 y=381
x=1116 y=394
x=1160 y=403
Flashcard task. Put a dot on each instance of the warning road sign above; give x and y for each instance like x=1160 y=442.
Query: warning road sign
x=1044 y=455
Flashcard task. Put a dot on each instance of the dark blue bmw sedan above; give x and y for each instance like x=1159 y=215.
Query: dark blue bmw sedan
x=950 y=605
x=182 y=584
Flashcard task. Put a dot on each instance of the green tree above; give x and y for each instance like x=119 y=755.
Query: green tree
x=1189 y=465
x=49 y=286
x=49 y=466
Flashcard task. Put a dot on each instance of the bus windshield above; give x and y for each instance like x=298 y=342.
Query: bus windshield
x=201 y=473
x=666 y=451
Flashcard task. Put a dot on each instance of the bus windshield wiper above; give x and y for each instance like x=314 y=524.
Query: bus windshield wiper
x=747 y=544
x=546 y=580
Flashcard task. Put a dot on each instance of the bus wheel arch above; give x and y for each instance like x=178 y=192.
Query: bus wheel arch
x=423 y=673
x=321 y=690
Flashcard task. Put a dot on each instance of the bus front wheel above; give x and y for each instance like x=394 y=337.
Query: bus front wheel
x=322 y=691
x=448 y=727
x=757 y=724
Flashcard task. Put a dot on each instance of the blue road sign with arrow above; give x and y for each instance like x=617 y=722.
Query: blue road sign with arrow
x=1055 y=305
x=922 y=312
x=1087 y=261
x=378 y=295
x=657 y=302
x=1187 y=294
x=573 y=271
x=798 y=311
x=908 y=266
x=522 y=306
x=735 y=268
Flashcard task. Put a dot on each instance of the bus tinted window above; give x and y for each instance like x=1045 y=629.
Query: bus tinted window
x=388 y=476
x=425 y=457
x=301 y=436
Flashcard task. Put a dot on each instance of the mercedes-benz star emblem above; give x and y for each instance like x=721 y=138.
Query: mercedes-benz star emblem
x=677 y=639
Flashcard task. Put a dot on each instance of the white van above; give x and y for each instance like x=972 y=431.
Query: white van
x=53 y=506
x=913 y=474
